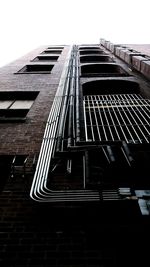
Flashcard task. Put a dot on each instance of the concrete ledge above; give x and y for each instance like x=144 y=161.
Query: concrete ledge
x=129 y=55
x=136 y=62
x=135 y=59
x=122 y=53
x=102 y=42
x=106 y=44
x=112 y=47
x=118 y=50
x=145 y=69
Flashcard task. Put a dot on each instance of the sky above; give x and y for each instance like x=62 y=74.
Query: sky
x=28 y=24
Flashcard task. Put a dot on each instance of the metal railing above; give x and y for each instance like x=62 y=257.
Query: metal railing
x=118 y=117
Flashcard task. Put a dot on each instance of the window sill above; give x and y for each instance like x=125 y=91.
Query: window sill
x=33 y=72
x=13 y=119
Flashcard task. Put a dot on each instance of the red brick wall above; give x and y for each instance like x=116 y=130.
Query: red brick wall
x=41 y=235
x=26 y=137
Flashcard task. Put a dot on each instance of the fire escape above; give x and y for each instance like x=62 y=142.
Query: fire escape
x=96 y=142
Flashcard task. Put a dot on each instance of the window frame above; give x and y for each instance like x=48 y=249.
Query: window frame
x=52 y=51
x=16 y=114
x=44 y=58
x=25 y=69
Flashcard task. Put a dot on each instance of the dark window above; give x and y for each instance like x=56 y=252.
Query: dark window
x=112 y=86
x=96 y=58
x=37 y=68
x=108 y=69
x=15 y=105
x=91 y=51
x=89 y=47
x=46 y=58
x=52 y=51
x=56 y=47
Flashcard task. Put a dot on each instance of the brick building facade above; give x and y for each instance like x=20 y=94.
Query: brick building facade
x=84 y=215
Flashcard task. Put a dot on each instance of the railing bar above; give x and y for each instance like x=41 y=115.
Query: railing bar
x=112 y=118
x=90 y=119
x=107 y=121
x=100 y=115
x=140 y=120
x=136 y=122
x=96 y=119
x=141 y=101
x=126 y=115
x=119 y=122
x=124 y=121
x=85 y=121
x=107 y=118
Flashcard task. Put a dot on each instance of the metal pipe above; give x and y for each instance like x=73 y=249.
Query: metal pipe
x=69 y=166
x=127 y=153
x=60 y=130
x=85 y=120
x=110 y=154
x=71 y=136
x=77 y=101
x=39 y=191
x=85 y=168
x=90 y=121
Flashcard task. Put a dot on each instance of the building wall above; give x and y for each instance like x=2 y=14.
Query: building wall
x=25 y=138
x=42 y=234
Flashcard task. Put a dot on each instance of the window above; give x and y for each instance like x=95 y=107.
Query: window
x=89 y=47
x=45 y=58
x=97 y=58
x=108 y=69
x=15 y=105
x=52 y=51
x=36 y=69
x=110 y=86
x=91 y=51
x=21 y=104
x=56 y=47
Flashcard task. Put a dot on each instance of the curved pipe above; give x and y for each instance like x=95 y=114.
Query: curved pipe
x=39 y=190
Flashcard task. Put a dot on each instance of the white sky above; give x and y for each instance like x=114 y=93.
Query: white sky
x=27 y=24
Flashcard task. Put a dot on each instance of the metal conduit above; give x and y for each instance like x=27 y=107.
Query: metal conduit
x=63 y=114
x=39 y=190
x=77 y=102
x=71 y=134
